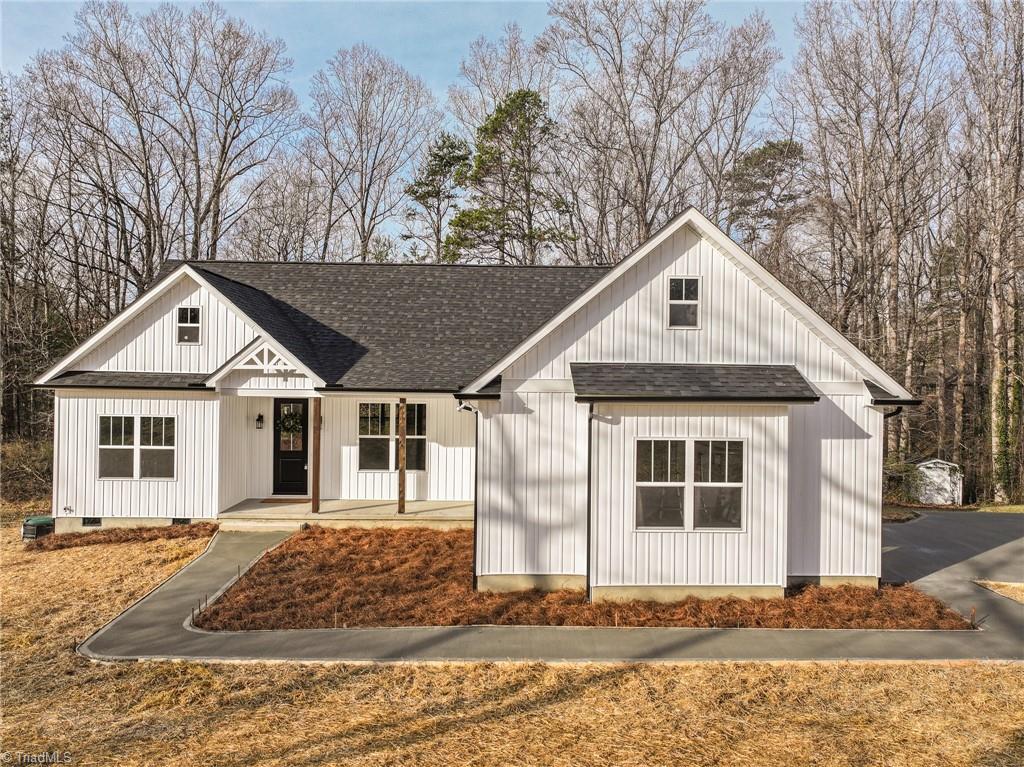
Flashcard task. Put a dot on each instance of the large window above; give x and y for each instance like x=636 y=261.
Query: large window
x=188 y=326
x=378 y=436
x=136 y=447
x=684 y=302
x=701 y=492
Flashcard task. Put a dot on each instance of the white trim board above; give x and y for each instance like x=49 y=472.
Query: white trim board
x=185 y=270
x=761 y=276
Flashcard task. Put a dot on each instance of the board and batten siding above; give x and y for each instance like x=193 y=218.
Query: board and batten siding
x=254 y=380
x=193 y=491
x=246 y=453
x=147 y=342
x=531 y=509
x=450 y=439
x=625 y=556
x=835 y=490
x=740 y=322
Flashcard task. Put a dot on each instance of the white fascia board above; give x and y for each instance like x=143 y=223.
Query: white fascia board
x=111 y=327
x=582 y=300
x=151 y=295
x=766 y=279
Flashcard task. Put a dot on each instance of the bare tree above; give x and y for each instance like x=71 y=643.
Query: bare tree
x=377 y=116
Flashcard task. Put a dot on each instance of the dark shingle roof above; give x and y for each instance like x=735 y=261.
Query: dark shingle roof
x=880 y=396
x=112 y=379
x=694 y=383
x=397 y=326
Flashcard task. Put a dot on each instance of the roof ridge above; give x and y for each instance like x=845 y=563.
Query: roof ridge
x=202 y=264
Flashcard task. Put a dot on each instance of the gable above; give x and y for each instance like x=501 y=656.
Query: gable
x=740 y=321
x=148 y=340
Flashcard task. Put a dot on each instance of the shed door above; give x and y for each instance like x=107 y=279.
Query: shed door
x=291 y=449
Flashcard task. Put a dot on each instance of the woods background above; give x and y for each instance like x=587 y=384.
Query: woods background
x=879 y=175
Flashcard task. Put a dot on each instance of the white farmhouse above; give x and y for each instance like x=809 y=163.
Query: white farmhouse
x=680 y=423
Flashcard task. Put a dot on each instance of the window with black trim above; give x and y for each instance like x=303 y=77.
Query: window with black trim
x=660 y=483
x=717 y=484
x=189 y=324
x=684 y=302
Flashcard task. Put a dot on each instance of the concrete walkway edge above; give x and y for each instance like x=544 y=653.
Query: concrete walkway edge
x=157 y=628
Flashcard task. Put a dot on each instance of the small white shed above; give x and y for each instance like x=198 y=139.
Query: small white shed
x=939 y=482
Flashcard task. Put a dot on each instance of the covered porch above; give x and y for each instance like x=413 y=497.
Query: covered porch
x=290 y=514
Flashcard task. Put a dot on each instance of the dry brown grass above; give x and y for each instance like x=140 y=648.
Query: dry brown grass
x=197 y=530
x=726 y=714
x=1014 y=591
x=323 y=578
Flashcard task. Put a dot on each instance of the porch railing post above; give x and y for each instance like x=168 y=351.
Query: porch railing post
x=315 y=448
x=401 y=455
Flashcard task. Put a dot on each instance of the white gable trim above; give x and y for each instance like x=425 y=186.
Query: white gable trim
x=137 y=307
x=758 y=273
x=263 y=355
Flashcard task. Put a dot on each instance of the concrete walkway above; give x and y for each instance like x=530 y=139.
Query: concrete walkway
x=942 y=552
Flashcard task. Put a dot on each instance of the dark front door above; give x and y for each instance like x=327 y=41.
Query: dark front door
x=291 y=451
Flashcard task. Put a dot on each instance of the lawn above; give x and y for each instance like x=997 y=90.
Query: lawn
x=955 y=714
x=326 y=578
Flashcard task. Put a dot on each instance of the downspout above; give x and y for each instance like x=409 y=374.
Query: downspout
x=893 y=414
x=476 y=486
x=590 y=445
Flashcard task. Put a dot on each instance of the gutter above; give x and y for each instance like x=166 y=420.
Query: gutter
x=698 y=400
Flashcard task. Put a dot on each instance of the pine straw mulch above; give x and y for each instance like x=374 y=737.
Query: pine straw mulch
x=55 y=542
x=325 y=578
x=473 y=714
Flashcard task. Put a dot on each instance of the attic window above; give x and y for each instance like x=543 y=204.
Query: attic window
x=684 y=302
x=188 y=324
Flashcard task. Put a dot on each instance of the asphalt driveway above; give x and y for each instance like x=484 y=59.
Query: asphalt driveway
x=942 y=552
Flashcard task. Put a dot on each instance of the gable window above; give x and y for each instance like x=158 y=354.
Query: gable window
x=136 y=447
x=378 y=436
x=188 y=324
x=717 y=484
x=660 y=483
x=696 y=486
x=684 y=302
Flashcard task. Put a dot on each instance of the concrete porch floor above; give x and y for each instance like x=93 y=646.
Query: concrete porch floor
x=289 y=514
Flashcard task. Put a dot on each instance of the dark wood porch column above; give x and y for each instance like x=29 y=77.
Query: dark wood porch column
x=315 y=457
x=401 y=455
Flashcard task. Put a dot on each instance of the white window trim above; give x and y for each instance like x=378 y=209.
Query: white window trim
x=392 y=437
x=669 y=302
x=689 y=486
x=178 y=324
x=137 y=447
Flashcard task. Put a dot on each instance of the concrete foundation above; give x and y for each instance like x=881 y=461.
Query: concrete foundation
x=678 y=593
x=74 y=524
x=868 y=581
x=544 y=582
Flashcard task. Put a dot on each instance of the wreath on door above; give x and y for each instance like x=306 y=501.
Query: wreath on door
x=291 y=421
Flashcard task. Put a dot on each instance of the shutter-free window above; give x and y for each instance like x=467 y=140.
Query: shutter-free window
x=374 y=436
x=684 y=302
x=156 y=447
x=117 y=447
x=718 y=484
x=660 y=483
x=188 y=324
x=415 y=437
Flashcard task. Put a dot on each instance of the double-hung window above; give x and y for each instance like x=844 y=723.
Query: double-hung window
x=378 y=436
x=689 y=484
x=684 y=302
x=136 y=447
x=717 y=484
x=660 y=483
x=188 y=325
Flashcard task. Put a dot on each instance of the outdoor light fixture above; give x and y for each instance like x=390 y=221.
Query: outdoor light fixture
x=259 y=421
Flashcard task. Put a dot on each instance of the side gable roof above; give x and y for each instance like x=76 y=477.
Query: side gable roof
x=762 y=276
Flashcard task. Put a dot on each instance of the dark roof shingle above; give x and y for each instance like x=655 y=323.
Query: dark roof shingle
x=407 y=327
x=114 y=379
x=693 y=383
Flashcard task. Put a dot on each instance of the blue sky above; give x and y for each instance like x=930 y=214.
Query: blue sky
x=427 y=38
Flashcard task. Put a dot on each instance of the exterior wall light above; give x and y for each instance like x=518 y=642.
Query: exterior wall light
x=259 y=421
